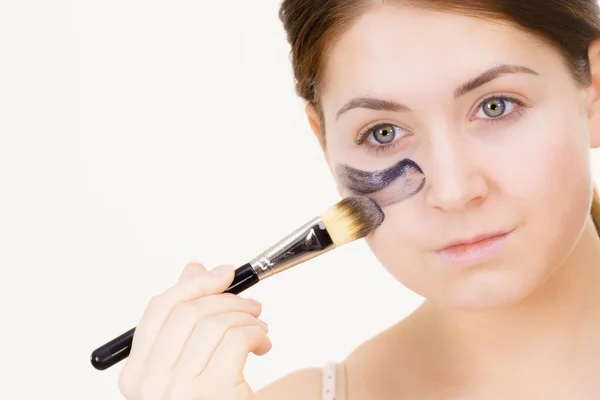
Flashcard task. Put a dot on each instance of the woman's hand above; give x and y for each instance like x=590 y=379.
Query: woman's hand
x=193 y=341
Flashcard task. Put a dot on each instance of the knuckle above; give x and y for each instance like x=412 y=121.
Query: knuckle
x=210 y=324
x=180 y=391
x=267 y=343
x=204 y=388
x=146 y=390
x=152 y=388
x=184 y=311
x=156 y=302
x=126 y=385
x=237 y=336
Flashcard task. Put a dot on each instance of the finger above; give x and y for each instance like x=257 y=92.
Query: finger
x=215 y=390
x=159 y=308
x=207 y=336
x=181 y=322
x=229 y=359
x=192 y=269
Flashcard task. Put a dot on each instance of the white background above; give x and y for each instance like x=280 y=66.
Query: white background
x=135 y=136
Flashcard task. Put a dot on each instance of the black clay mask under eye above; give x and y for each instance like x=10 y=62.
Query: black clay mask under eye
x=387 y=186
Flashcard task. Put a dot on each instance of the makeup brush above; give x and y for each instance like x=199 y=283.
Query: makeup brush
x=350 y=219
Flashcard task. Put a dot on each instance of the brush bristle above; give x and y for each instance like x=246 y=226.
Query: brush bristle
x=352 y=218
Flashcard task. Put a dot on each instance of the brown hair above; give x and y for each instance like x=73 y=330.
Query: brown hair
x=313 y=26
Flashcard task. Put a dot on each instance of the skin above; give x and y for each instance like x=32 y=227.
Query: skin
x=494 y=329
x=389 y=186
x=529 y=314
x=193 y=341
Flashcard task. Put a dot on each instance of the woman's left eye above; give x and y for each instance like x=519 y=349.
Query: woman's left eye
x=497 y=108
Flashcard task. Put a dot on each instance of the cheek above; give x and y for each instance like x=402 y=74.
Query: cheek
x=561 y=189
x=549 y=172
x=547 y=188
x=395 y=246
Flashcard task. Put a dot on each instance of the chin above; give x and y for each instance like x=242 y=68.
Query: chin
x=489 y=290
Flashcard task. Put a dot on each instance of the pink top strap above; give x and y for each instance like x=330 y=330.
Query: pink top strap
x=328 y=381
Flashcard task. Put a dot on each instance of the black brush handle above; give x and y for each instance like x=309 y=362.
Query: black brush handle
x=119 y=348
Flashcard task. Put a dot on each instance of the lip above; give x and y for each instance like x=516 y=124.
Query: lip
x=475 y=250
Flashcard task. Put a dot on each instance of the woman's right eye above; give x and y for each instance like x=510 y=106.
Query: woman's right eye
x=381 y=135
x=384 y=134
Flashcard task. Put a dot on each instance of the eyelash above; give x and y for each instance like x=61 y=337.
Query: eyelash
x=378 y=149
x=519 y=107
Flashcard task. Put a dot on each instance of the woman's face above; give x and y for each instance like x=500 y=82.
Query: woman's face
x=500 y=130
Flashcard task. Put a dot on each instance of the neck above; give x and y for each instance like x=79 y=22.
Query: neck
x=557 y=326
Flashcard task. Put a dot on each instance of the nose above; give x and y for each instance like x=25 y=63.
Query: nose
x=455 y=180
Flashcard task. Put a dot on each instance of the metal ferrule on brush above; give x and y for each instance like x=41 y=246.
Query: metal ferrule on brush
x=306 y=242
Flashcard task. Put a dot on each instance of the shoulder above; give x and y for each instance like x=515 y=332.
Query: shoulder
x=361 y=369
x=397 y=362
x=302 y=384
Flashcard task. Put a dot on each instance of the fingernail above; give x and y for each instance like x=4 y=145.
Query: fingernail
x=254 y=302
x=221 y=270
x=263 y=322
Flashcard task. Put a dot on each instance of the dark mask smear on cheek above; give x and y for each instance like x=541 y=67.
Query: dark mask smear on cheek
x=386 y=187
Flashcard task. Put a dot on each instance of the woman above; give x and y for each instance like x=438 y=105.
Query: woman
x=498 y=102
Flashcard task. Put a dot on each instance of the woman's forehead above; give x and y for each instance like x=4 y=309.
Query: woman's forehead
x=393 y=48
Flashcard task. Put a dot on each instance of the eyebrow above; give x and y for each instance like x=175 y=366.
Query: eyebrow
x=469 y=86
x=371 y=104
x=489 y=76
